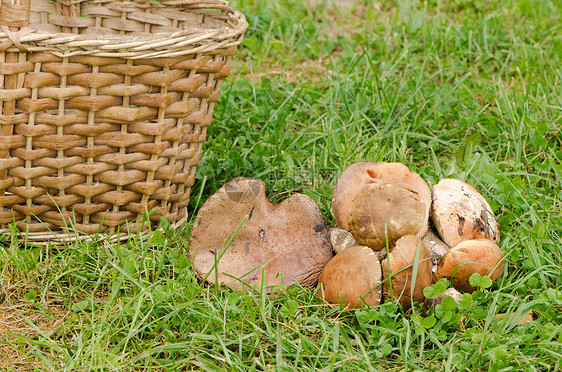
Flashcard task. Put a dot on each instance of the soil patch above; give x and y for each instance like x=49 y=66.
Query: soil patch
x=342 y=4
x=20 y=319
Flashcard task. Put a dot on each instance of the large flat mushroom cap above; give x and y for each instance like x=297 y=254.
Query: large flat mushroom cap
x=288 y=241
x=459 y=212
x=362 y=173
x=468 y=257
x=352 y=278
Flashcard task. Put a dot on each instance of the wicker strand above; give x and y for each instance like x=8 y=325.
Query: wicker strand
x=14 y=38
x=14 y=13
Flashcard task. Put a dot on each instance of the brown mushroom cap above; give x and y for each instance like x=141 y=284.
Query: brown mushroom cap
x=352 y=278
x=403 y=255
x=469 y=257
x=362 y=173
x=460 y=213
x=379 y=211
x=289 y=240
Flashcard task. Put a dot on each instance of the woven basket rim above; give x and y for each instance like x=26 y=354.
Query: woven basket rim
x=135 y=46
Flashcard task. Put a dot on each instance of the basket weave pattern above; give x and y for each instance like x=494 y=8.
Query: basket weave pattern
x=104 y=106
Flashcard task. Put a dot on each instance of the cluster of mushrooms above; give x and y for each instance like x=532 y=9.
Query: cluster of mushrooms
x=388 y=224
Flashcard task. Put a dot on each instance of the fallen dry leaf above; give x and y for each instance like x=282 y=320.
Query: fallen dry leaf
x=511 y=317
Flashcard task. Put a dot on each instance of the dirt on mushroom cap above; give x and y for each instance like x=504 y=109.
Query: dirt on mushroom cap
x=341 y=239
x=435 y=246
x=288 y=241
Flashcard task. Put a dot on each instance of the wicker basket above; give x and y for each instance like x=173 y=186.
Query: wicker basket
x=104 y=106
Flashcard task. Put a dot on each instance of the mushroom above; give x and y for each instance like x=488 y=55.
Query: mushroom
x=460 y=213
x=430 y=303
x=381 y=212
x=399 y=266
x=436 y=248
x=480 y=256
x=288 y=242
x=352 y=278
x=342 y=239
x=357 y=175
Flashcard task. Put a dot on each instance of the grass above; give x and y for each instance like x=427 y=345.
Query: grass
x=458 y=88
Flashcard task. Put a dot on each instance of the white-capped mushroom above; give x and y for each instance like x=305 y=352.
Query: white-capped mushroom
x=459 y=212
